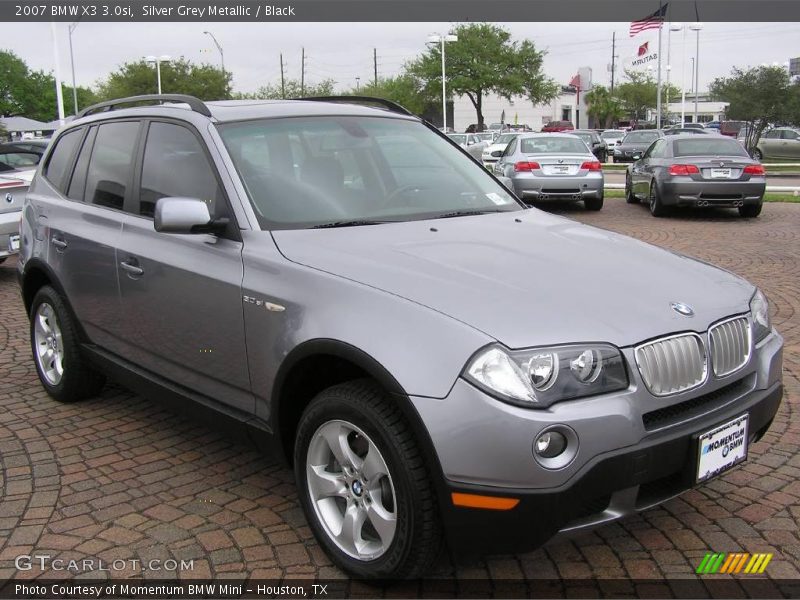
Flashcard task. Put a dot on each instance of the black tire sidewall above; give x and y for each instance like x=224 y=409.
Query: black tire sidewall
x=327 y=407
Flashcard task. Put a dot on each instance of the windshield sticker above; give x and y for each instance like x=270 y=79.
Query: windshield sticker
x=497 y=198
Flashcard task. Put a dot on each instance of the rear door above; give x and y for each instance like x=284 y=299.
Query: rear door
x=790 y=144
x=90 y=173
x=770 y=143
x=181 y=295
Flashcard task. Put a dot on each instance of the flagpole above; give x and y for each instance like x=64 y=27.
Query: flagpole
x=658 y=84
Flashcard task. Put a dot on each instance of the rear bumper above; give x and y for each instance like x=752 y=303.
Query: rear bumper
x=712 y=193
x=532 y=188
x=9 y=225
x=624 y=482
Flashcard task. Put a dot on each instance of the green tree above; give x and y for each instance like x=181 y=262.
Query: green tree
x=405 y=89
x=483 y=61
x=291 y=88
x=13 y=73
x=604 y=106
x=760 y=96
x=177 y=77
x=639 y=94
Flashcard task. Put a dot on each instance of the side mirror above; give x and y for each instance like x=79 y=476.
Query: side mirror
x=185 y=215
x=636 y=156
x=497 y=153
x=619 y=142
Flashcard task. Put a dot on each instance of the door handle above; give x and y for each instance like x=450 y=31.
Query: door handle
x=58 y=243
x=131 y=267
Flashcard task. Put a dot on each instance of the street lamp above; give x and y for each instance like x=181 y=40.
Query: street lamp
x=441 y=39
x=358 y=84
x=72 y=63
x=696 y=27
x=219 y=47
x=678 y=27
x=157 y=60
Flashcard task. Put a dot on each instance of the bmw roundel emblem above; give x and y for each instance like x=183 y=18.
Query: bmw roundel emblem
x=682 y=309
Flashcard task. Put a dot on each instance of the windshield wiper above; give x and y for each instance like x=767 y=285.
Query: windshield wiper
x=466 y=213
x=354 y=223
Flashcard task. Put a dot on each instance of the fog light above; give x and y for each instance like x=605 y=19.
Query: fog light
x=550 y=444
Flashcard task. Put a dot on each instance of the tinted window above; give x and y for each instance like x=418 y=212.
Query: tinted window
x=77 y=186
x=640 y=137
x=19 y=160
x=61 y=158
x=111 y=164
x=553 y=145
x=708 y=146
x=175 y=165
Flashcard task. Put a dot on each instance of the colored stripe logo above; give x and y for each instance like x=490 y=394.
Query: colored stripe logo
x=733 y=563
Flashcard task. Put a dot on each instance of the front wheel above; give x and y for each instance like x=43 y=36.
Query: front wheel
x=364 y=485
x=630 y=197
x=657 y=208
x=750 y=211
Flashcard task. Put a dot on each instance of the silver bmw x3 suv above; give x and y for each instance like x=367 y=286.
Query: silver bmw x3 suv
x=439 y=362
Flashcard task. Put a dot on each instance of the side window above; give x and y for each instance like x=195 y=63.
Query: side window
x=656 y=149
x=61 y=158
x=111 y=164
x=77 y=185
x=788 y=134
x=511 y=148
x=175 y=164
x=772 y=134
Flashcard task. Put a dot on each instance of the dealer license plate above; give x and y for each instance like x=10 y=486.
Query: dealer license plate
x=721 y=173
x=721 y=448
x=13 y=243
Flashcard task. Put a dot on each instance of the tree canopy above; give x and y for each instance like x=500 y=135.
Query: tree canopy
x=405 y=89
x=640 y=93
x=603 y=106
x=485 y=60
x=179 y=76
x=291 y=89
x=760 y=96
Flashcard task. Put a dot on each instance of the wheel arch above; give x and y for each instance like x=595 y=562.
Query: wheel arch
x=38 y=274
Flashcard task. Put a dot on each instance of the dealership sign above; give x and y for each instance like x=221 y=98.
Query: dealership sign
x=645 y=56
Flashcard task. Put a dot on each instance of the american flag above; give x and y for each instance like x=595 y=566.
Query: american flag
x=653 y=21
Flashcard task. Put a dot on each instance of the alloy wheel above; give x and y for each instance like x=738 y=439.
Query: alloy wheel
x=351 y=490
x=49 y=345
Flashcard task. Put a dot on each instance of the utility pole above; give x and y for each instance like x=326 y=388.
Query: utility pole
x=375 y=65
x=283 y=82
x=613 y=58
x=303 y=72
x=57 y=73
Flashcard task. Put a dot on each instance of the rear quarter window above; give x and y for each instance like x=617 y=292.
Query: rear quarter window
x=60 y=159
x=703 y=146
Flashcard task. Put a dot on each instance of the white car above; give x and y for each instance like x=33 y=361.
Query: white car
x=491 y=154
x=612 y=137
x=13 y=187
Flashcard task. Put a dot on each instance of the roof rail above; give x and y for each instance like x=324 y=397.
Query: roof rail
x=387 y=104
x=195 y=104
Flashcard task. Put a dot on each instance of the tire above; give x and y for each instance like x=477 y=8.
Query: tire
x=750 y=211
x=593 y=203
x=370 y=419
x=614 y=159
x=657 y=209
x=757 y=154
x=55 y=345
x=630 y=198
x=3 y=259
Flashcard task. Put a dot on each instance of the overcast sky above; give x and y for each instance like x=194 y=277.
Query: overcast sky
x=344 y=51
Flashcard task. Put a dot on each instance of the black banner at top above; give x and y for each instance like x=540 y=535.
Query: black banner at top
x=395 y=10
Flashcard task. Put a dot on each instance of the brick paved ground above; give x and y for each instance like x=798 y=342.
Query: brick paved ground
x=118 y=477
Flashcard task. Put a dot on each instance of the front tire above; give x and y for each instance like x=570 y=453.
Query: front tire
x=630 y=197
x=364 y=485
x=657 y=208
x=750 y=211
x=62 y=369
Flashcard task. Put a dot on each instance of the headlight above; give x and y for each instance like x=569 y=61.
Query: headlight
x=541 y=376
x=759 y=311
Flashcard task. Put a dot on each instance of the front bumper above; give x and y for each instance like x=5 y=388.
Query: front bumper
x=9 y=226
x=687 y=192
x=531 y=188
x=622 y=466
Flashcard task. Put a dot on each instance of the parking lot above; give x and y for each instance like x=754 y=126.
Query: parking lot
x=121 y=478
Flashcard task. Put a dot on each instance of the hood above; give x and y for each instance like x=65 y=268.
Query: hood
x=543 y=280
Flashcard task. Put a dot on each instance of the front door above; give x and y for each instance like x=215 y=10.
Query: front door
x=181 y=295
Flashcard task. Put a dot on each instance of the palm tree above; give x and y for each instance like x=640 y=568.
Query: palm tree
x=603 y=106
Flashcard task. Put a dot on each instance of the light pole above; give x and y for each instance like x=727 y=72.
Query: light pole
x=219 y=47
x=157 y=60
x=679 y=27
x=358 y=84
x=441 y=39
x=72 y=63
x=696 y=27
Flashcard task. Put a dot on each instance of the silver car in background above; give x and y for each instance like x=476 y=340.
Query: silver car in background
x=473 y=144
x=493 y=152
x=699 y=171
x=553 y=166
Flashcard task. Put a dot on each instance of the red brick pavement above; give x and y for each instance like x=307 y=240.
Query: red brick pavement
x=119 y=477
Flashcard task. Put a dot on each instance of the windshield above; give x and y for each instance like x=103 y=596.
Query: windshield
x=611 y=135
x=640 y=137
x=458 y=138
x=506 y=138
x=586 y=137
x=703 y=146
x=486 y=136
x=312 y=171
x=553 y=145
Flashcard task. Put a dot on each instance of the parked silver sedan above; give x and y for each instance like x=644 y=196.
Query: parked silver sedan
x=696 y=170
x=473 y=144
x=553 y=166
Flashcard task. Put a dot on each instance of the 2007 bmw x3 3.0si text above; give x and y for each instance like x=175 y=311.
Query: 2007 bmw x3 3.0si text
x=439 y=362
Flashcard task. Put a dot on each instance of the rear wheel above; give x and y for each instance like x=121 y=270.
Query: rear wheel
x=62 y=368
x=757 y=154
x=749 y=211
x=657 y=208
x=593 y=203
x=630 y=198
x=3 y=259
x=364 y=485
